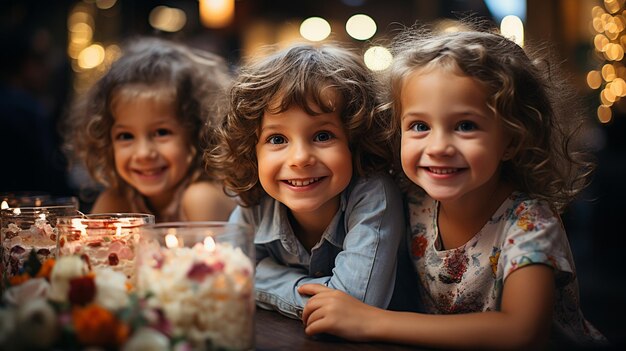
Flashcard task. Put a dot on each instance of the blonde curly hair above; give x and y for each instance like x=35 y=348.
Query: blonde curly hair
x=541 y=116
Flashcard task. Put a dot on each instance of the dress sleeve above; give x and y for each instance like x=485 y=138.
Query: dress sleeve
x=536 y=235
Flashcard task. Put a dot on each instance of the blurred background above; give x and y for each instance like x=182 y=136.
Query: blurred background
x=53 y=50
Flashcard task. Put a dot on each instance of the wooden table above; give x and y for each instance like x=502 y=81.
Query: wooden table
x=277 y=332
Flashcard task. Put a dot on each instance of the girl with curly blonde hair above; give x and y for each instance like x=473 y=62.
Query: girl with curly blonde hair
x=482 y=138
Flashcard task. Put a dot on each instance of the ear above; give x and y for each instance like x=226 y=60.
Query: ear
x=510 y=151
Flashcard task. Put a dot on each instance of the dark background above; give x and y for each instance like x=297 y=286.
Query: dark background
x=37 y=84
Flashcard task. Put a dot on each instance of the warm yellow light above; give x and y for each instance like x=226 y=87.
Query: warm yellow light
x=612 y=5
x=614 y=52
x=361 y=27
x=597 y=11
x=91 y=56
x=600 y=42
x=81 y=33
x=513 y=28
x=608 y=72
x=604 y=114
x=594 y=79
x=315 y=29
x=377 y=58
x=217 y=13
x=171 y=241
x=618 y=87
x=167 y=19
x=105 y=4
x=209 y=243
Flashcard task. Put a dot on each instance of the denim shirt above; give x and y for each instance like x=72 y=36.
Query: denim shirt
x=356 y=254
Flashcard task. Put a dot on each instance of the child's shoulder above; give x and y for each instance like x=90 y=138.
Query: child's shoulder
x=204 y=200
x=111 y=200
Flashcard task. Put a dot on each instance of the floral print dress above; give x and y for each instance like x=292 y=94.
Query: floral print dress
x=470 y=278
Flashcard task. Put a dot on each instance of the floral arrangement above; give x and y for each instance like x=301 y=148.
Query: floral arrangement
x=64 y=304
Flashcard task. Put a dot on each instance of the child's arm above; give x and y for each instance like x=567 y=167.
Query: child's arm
x=523 y=322
x=365 y=266
x=205 y=201
x=110 y=201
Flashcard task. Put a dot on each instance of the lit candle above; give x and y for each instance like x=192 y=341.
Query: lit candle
x=202 y=276
x=29 y=229
x=104 y=240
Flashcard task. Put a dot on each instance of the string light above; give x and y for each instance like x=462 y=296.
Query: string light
x=609 y=42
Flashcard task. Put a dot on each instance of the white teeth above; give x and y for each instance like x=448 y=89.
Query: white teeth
x=442 y=170
x=150 y=172
x=305 y=182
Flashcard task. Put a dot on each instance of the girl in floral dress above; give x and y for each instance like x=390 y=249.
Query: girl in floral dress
x=480 y=134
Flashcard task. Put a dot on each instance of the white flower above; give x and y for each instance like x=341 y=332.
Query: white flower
x=147 y=339
x=64 y=270
x=36 y=324
x=27 y=291
x=110 y=289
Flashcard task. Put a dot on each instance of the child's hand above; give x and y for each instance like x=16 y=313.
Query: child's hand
x=335 y=312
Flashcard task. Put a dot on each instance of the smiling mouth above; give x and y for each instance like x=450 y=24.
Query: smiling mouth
x=302 y=182
x=150 y=172
x=443 y=170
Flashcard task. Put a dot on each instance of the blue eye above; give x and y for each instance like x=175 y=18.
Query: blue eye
x=323 y=136
x=419 y=127
x=467 y=126
x=276 y=139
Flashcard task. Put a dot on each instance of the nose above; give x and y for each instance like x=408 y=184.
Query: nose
x=146 y=149
x=301 y=155
x=440 y=144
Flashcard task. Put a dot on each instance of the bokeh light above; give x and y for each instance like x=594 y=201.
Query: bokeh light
x=377 y=58
x=315 y=29
x=361 y=27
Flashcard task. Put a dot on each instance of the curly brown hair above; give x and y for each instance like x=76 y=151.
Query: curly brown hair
x=541 y=115
x=298 y=76
x=195 y=81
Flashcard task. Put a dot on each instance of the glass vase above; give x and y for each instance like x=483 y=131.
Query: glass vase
x=104 y=239
x=201 y=276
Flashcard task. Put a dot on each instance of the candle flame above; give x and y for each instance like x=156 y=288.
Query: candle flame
x=4 y=205
x=17 y=211
x=171 y=241
x=118 y=229
x=209 y=244
x=78 y=224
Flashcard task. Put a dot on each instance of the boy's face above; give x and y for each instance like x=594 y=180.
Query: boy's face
x=150 y=146
x=304 y=161
x=452 y=142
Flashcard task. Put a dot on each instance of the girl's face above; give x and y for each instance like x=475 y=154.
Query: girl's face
x=304 y=161
x=150 y=146
x=452 y=142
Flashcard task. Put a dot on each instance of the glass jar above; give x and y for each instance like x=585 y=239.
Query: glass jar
x=104 y=239
x=33 y=199
x=201 y=275
x=29 y=231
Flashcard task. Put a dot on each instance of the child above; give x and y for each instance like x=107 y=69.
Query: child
x=138 y=132
x=479 y=134
x=305 y=152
